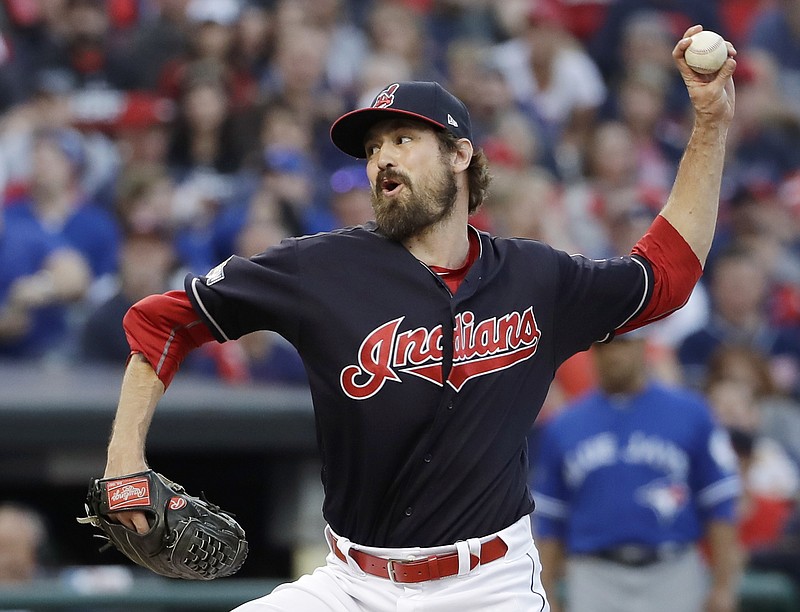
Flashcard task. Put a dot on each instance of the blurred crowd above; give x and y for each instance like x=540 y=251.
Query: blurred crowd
x=142 y=139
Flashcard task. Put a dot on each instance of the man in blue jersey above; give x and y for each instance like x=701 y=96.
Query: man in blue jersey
x=627 y=480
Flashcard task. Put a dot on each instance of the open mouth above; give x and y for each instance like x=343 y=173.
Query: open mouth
x=390 y=186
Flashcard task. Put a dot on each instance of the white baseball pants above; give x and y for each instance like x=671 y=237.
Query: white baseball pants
x=509 y=584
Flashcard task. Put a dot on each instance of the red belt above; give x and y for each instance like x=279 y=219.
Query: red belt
x=432 y=567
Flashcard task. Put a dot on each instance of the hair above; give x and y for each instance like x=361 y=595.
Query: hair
x=757 y=361
x=478 y=176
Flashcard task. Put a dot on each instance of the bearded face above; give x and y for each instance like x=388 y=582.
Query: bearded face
x=404 y=208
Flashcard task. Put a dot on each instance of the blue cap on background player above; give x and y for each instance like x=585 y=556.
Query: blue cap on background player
x=426 y=101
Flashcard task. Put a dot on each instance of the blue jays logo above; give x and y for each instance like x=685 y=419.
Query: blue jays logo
x=386 y=97
x=664 y=497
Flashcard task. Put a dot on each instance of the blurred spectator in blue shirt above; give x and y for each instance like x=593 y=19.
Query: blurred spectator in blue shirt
x=39 y=276
x=56 y=203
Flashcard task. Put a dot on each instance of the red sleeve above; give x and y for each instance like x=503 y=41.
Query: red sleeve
x=164 y=328
x=676 y=271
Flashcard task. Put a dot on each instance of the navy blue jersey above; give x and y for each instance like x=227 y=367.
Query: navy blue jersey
x=422 y=399
x=648 y=469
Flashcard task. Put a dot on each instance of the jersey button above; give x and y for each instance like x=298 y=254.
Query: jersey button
x=427 y=458
x=409 y=511
x=450 y=406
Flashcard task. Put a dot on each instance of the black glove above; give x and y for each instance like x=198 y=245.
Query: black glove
x=188 y=537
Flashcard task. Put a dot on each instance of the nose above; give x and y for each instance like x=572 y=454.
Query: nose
x=386 y=158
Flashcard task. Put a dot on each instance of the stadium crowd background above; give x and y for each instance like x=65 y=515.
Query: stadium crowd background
x=141 y=139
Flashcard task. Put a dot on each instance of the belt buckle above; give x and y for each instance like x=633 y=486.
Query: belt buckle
x=390 y=570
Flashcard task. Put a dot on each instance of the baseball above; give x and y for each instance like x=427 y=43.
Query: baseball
x=707 y=52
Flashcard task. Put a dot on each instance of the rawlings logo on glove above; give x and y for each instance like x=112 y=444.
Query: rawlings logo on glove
x=188 y=538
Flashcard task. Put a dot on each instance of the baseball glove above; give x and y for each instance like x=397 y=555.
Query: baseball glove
x=189 y=537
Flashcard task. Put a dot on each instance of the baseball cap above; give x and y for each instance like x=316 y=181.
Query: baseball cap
x=141 y=110
x=423 y=100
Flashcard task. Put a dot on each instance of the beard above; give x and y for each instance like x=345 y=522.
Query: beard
x=417 y=208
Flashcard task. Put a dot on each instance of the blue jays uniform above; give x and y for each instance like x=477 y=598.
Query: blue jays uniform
x=670 y=467
x=446 y=385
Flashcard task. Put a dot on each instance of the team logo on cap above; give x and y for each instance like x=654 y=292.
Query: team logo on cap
x=386 y=97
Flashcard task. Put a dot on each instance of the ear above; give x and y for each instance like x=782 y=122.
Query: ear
x=463 y=155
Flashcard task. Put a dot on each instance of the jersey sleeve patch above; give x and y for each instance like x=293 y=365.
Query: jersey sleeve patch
x=217 y=273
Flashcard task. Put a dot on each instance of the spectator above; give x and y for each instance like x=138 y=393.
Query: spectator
x=147 y=261
x=23 y=537
x=610 y=190
x=738 y=387
x=144 y=199
x=776 y=31
x=556 y=82
x=347 y=50
x=285 y=191
x=738 y=288
x=141 y=130
x=298 y=80
x=377 y=70
x=39 y=276
x=779 y=414
x=474 y=76
x=204 y=135
x=530 y=207
x=762 y=518
x=641 y=101
x=605 y=45
x=394 y=28
x=766 y=135
x=85 y=47
x=254 y=42
x=159 y=38
x=645 y=52
x=784 y=556
x=351 y=200
x=48 y=107
x=212 y=39
x=57 y=204
x=627 y=481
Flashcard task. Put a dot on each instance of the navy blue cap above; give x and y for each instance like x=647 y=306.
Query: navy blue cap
x=425 y=101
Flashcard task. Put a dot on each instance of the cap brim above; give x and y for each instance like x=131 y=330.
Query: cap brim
x=349 y=131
